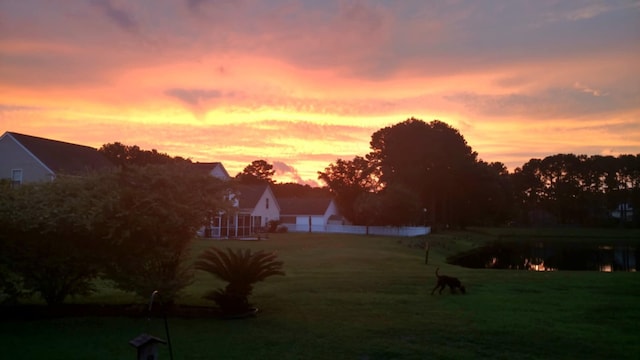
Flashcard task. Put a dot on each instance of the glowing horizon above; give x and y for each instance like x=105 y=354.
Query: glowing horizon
x=302 y=83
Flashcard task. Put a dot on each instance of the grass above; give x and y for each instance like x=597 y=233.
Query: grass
x=359 y=297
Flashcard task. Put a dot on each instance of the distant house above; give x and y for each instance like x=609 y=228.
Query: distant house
x=256 y=205
x=26 y=158
x=214 y=169
x=309 y=213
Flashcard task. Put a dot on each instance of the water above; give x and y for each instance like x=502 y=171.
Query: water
x=544 y=256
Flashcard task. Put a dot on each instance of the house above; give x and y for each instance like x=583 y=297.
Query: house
x=623 y=212
x=214 y=169
x=309 y=213
x=26 y=158
x=256 y=205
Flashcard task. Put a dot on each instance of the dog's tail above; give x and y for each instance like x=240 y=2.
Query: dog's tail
x=438 y=268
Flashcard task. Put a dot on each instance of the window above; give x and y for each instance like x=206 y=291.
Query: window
x=267 y=203
x=16 y=177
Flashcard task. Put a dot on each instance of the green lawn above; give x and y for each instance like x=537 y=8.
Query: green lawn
x=359 y=297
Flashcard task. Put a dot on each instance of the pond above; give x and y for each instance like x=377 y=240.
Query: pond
x=550 y=256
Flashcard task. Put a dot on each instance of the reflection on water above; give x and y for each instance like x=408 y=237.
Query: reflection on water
x=541 y=256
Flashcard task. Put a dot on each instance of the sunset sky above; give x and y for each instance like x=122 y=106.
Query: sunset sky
x=303 y=83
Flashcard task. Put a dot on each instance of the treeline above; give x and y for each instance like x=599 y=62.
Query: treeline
x=579 y=189
x=425 y=173
x=258 y=171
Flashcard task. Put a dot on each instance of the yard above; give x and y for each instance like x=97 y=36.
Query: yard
x=360 y=297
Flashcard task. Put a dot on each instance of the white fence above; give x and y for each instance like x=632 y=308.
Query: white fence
x=362 y=230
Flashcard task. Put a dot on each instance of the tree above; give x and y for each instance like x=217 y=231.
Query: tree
x=400 y=206
x=155 y=213
x=368 y=209
x=259 y=171
x=283 y=190
x=124 y=155
x=578 y=188
x=240 y=269
x=48 y=236
x=349 y=179
x=430 y=159
x=491 y=201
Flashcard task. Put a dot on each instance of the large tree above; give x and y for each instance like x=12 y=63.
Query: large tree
x=432 y=160
x=156 y=211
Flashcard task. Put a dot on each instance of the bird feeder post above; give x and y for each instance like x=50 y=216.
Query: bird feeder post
x=146 y=346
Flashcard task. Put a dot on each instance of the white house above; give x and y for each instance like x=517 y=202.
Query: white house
x=256 y=205
x=26 y=158
x=308 y=213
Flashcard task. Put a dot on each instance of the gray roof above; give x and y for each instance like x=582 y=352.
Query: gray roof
x=249 y=195
x=304 y=206
x=209 y=166
x=62 y=157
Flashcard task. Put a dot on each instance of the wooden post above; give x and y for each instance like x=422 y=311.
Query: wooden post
x=426 y=252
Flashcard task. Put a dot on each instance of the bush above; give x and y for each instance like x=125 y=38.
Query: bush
x=240 y=269
x=272 y=225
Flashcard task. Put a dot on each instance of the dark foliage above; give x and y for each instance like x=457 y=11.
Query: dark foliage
x=259 y=171
x=240 y=269
x=125 y=155
x=48 y=238
x=579 y=189
x=156 y=213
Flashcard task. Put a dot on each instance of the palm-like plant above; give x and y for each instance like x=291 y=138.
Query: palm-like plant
x=240 y=269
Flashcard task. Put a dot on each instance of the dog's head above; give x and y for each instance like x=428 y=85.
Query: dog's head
x=463 y=290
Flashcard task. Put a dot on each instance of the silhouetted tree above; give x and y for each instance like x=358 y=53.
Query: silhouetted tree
x=400 y=206
x=491 y=202
x=258 y=171
x=124 y=155
x=348 y=179
x=431 y=159
x=578 y=188
x=155 y=213
x=284 y=190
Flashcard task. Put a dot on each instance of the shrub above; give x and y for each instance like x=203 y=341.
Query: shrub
x=240 y=269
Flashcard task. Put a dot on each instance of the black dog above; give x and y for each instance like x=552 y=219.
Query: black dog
x=451 y=282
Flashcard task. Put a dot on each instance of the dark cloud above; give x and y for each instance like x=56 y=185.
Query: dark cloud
x=550 y=104
x=286 y=171
x=121 y=18
x=194 y=97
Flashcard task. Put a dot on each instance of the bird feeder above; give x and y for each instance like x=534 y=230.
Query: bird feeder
x=147 y=346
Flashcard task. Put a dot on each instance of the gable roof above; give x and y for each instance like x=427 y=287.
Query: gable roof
x=209 y=168
x=304 y=206
x=62 y=157
x=249 y=195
